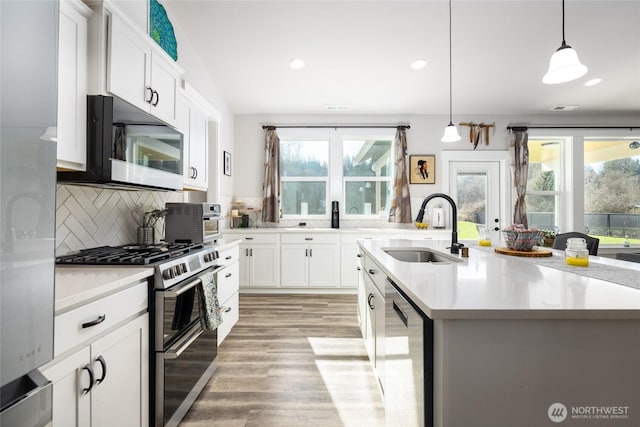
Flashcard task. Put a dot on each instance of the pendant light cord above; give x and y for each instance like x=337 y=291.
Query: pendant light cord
x=450 y=62
x=563 y=42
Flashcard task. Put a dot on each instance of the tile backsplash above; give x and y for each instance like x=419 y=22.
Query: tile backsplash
x=87 y=217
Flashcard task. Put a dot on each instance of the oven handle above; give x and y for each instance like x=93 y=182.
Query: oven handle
x=178 y=290
x=182 y=344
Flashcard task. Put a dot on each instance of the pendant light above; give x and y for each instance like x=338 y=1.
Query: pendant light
x=564 y=65
x=451 y=131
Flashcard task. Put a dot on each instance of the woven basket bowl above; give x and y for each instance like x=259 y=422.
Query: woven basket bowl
x=521 y=240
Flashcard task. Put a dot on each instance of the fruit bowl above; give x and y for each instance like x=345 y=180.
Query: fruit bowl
x=521 y=240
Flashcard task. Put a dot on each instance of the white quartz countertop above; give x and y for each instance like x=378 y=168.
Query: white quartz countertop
x=492 y=286
x=409 y=232
x=78 y=285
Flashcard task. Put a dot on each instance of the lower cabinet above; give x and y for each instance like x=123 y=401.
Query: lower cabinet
x=309 y=260
x=373 y=318
x=228 y=287
x=104 y=383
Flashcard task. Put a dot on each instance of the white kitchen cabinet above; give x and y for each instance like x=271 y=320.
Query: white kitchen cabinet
x=309 y=260
x=193 y=122
x=349 y=259
x=228 y=288
x=100 y=372
x=259 y=260
x=72 y=85
x=140 y=73
x=374 y=321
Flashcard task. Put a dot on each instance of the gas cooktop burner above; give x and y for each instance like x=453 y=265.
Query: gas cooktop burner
x=131 y=254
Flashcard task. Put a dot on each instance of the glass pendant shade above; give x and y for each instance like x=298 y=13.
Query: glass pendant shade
x=564 y=66
x=451 y=133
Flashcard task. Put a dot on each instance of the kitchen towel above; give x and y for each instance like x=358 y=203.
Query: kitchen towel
x=210 y=313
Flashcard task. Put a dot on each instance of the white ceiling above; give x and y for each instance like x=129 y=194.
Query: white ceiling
x=357 y=53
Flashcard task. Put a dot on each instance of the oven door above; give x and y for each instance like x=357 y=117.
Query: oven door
x=182 y=371
x=211 y=228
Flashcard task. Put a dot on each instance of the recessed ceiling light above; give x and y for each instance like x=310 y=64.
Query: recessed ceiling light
x=336 y=107
x=296 y=64
x=592 y=82
x=564 y=107
x=418 y=64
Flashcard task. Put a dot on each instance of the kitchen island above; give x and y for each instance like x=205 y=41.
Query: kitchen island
x=519 y=343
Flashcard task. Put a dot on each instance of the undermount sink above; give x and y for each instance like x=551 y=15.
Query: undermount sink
x=420 y=255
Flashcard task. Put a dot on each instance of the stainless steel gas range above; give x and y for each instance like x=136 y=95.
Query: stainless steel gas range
x=184 y=354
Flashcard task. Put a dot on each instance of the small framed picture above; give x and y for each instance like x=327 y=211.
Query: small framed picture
x=227 y=163
x=422 y=169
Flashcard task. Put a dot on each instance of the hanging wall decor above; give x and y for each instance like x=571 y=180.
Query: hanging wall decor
x=422 y=169
x=161 y=29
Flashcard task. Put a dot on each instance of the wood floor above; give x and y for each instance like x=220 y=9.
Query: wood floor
x=291 y=360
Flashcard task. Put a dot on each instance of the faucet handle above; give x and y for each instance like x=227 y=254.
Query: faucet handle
x=455 y=247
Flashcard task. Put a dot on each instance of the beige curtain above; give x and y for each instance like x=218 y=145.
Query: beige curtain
x=401 y=201
x=519 y=151
x=271 y=184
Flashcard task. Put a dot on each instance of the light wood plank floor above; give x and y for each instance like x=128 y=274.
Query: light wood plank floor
x=291 y=360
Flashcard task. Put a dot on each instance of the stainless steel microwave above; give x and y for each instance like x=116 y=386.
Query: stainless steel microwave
x=128 y=148
x=192 y=222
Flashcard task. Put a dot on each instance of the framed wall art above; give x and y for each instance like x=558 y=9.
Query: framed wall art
x=227 y=163
x=422 y=169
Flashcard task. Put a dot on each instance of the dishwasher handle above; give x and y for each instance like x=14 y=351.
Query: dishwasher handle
x=401 y=314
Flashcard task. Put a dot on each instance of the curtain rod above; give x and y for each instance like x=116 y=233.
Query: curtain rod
x=524 y=127
x=273 y=127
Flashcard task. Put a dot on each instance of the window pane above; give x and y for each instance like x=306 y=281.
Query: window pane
x=541 y=211
x=544 y=165
x=304 y=158
x=611 y=182
x=472 y=203
x=366 y=157
x=313 y=193
x=366 y=197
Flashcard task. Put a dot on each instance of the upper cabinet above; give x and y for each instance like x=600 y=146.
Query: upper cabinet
x=140 y=73
x=193 y=122
x=72 y=85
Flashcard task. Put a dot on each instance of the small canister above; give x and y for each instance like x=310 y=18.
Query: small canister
x=576 y=252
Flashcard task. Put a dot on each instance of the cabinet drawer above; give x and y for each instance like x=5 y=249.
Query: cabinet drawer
x=230 y=314
x=79 y=325
x=228 y=281
x=228 y=256
x=257 y=238
x=375 y=273
x=310 y=238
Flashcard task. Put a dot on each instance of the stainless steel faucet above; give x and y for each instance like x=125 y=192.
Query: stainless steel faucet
x=455 y=246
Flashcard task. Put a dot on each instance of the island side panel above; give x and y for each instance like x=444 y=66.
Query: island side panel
x=509 y=372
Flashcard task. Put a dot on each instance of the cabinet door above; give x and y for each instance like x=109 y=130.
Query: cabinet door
x=379 y=304
x=295 y=265
x=182 y=124
x=164 y=81
x=348 y=266
x=362 y=302
x=323 y=261
x=265 y=262
x=244 y=267
x=122 y=397
x=72 y=85
x=198 y=152
x=71 y=406
x=129 y=69
x=370 y=319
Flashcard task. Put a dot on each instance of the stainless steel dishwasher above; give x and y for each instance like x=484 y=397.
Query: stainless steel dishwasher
x=408 y=362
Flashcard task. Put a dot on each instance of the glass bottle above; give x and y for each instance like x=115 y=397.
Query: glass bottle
x=576 y=252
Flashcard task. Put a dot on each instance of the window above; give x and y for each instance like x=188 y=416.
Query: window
x=318 y=166
x=544 y=181
x=586 y=181
x=367 y=176
x=304 y=170
x=611 y=183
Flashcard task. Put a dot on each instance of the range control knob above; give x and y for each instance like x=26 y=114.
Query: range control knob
x=183 y=268
x=167 y=274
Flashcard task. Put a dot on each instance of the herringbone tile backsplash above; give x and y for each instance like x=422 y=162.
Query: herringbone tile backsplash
x=87 y=217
